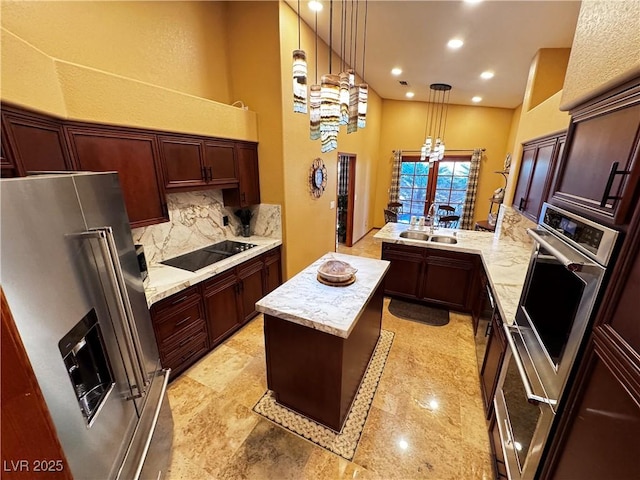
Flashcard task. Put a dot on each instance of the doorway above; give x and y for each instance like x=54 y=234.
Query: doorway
x=346 y=198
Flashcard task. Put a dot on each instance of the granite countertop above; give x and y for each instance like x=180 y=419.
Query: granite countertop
x=334 y=310
x=505 y=259
x=164 y=280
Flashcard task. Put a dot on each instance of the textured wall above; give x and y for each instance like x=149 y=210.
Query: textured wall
x=605 y=51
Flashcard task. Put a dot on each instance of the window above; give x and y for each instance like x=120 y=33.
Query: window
x=444 y=183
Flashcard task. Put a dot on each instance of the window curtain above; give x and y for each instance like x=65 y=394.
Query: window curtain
x=472 y=189
x=394 y=190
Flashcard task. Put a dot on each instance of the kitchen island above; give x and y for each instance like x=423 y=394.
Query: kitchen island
x=319 y=338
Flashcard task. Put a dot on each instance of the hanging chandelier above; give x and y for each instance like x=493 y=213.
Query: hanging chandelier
x=337 y=100
x=433 y=148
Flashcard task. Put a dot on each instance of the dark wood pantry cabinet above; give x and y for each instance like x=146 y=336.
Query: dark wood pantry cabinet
x=248 y=190
x=539 y=160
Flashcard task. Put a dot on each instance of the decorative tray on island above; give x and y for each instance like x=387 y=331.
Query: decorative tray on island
x=336 y=272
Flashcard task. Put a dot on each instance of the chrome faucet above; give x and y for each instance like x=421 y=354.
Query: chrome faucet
x=431 y=215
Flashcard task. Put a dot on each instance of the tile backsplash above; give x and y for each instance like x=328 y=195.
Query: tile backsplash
x=196 y=221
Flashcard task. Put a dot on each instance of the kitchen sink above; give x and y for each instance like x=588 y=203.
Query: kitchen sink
x=415 y=235
x=443 y=239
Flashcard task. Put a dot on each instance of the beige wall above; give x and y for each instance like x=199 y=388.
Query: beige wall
x=176 y=45
x=310 y=223
x=42 y=43
x=605 y=50
x=402 y=128
x=546 y=75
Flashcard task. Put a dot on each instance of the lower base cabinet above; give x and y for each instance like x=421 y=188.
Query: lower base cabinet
x=190 y=323
x=492 y=364
x=439 y=277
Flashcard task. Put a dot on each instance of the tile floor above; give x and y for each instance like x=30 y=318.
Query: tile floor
x=426 y=421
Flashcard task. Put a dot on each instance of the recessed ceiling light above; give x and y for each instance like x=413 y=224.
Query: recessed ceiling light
x=396 y=71
x=487 y=75
x=455 y=43
x=472 y=1
x=315 y=5
x=476 y=99
x=409 y=94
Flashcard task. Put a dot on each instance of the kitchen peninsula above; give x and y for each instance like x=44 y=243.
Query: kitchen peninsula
x=319 y=338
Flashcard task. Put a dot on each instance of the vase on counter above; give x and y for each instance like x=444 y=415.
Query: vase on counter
x=246 y=230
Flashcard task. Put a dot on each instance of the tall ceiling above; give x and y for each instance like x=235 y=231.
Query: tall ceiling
x=500 y=36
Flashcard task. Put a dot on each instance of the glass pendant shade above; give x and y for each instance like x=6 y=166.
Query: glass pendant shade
x=363 y=95
x=329 y=112
x=344 y=98
x=436 y=122
x=299 y=81
x=315 y=99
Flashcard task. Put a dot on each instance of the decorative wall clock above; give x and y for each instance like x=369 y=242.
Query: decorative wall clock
x=317 y=178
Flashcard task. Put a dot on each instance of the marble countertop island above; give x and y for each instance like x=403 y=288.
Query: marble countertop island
x=164 y=280
x=334 y=310
x=505 y=259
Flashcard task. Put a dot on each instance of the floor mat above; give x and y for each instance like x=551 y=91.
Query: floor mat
x=346 y=441
x=436 y=317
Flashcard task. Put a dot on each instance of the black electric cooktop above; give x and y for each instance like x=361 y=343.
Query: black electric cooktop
x=208 y=255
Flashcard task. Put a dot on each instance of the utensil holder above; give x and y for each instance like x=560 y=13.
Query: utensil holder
x=246 y=230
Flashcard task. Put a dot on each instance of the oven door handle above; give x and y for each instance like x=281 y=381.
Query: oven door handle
x=531 y=396
x=568 y=263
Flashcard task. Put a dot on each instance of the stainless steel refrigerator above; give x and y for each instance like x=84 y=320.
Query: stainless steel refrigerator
x=69 y=270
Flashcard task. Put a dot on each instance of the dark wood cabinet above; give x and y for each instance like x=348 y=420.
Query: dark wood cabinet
x=272 y=270
x=439 y=277
x=182 y=162
x=33 y=142
x=599 y=172
x=250 y=278
x=28 y=433
x=449 y=279
x=499 y=465
x=493 y=359
x=180 y=329
x=133 y=156
x=247 y=192
x=8 y=168
x=223 y=307
x=537 y=166
x=190 y=163
x=404 y=276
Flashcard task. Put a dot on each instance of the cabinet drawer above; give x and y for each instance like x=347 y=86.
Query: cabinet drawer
x=175 y=302
x=191 y=351
x=172 y=326
x=220 y=282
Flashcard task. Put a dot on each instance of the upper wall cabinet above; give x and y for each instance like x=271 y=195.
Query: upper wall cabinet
x=32 y=142
x=539 y=159
x=131 y=154
x=190 y=163
x=248 y=191
x=599 y=171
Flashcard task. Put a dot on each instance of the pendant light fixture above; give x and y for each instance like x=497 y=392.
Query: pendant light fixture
x=315 y=99
x=299 y=75
x=363 y=88
x=436 y=122
x=330 y=101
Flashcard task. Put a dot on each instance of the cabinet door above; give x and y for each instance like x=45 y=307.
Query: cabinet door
x=222 y=306
x=493 y=358
x=221 y=163
x=272 y=271
x=133 y=156
x=248 y=191
x=251 y=286
x=182 y=162
x=8 y=168
x=524 y=177
x=34 y=143
x=405 y=272
x=449 y=278
x=587 y=181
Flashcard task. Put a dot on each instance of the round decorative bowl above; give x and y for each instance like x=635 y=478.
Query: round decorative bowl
x=336 y=271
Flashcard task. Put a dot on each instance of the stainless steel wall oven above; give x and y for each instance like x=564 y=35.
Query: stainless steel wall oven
x=564 y=278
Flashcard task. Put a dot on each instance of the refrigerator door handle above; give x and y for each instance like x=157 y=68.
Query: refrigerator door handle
x=132 y=342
